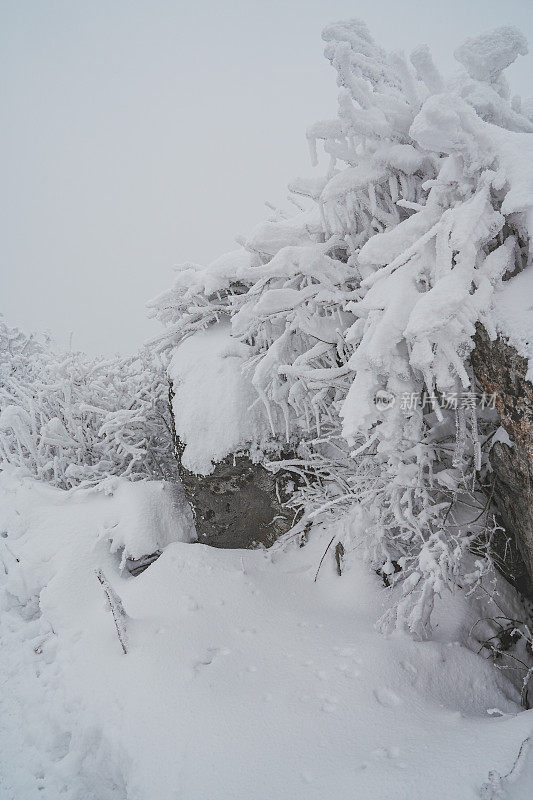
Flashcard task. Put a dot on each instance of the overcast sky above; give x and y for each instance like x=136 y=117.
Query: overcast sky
x=138 y=135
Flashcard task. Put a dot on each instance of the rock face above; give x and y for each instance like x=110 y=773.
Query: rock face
x=215 y=414
x=500 y=370
x=236 y=505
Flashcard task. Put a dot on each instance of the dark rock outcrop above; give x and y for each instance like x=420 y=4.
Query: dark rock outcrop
x=502 y=371
x=240 y=503
x=137 y=565
x=237 y=505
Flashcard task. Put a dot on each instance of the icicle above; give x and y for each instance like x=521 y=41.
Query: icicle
x=474 y=426
x=322 y=210
x=372 y=198
x=460 y=438
x=393 y=187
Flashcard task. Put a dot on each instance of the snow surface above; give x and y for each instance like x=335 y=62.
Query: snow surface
x=513 y=312
x=244 y=677
x=213 y=404
x=145 y=516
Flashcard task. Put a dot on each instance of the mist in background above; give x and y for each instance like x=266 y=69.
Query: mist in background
x=138 y=135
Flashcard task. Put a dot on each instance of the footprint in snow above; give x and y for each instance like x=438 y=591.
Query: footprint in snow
x=192 y=604
x=329 y=702
x=392 y=753
x=348 y=652
x=347 y=670
x=387 y=698
x=210 y=654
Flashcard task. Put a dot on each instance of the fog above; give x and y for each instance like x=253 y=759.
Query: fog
x=138 y=135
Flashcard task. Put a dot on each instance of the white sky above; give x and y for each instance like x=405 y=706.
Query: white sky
x=138 y=135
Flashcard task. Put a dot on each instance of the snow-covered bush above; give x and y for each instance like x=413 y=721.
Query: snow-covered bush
x=70 y=419
x=359 y=311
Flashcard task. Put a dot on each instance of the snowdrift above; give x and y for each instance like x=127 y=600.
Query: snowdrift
x=244 y=677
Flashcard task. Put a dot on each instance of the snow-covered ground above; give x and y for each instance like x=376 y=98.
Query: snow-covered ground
x=244 y=678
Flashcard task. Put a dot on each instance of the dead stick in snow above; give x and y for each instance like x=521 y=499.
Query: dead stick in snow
x=117 y=609
x=323 y=557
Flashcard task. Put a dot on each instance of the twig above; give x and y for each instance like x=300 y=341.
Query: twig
x=323 y=557
x=519 y=756
x=117 y=609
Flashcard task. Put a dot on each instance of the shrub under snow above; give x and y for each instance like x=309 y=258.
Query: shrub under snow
x=373 y=290
x=69 y=419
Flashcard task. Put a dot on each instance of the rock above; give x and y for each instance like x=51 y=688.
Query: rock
x=502 y=371
x=137 y=565
x=237 y=505
x=235 y=502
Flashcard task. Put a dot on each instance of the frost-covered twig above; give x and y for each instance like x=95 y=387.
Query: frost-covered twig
x=495 y=788
x=323 y=556
x=116 y=608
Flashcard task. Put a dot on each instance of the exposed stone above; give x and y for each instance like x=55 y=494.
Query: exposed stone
x=240 y=504
x=502 y=371
x=137 y=565
x=236 y=505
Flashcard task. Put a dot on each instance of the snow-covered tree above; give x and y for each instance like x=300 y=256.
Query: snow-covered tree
x=359 y=311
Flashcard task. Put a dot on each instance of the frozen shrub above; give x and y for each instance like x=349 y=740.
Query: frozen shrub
x=359 y=310
x=69 y=419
